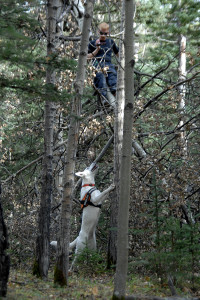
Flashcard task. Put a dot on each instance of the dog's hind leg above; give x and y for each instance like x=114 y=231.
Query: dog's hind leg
x=91 y=244
x=79 y=246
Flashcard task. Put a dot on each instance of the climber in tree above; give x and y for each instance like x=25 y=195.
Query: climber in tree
x=100 y=50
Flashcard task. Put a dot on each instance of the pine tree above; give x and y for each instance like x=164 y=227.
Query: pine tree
x=43 y=239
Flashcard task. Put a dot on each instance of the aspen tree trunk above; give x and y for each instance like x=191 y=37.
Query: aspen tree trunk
x=41 y=265
x=182 y=91
x=125 y=176
x=118 y=136
x=4 y=258
x=62 y=264
x=181 y=88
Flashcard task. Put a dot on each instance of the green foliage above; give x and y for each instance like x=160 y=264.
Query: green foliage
x=23 y=90
x=90 y=262
x=23 y=60
x=163 y=23
x=21 y=134
x=161 y=243
x=176 y=248
x=17 y=22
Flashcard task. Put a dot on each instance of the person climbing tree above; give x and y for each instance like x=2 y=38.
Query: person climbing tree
x=100 y=50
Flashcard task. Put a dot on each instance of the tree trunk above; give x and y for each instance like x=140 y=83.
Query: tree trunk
x=181 y=88
x=4 y=258
x=62 y=11
x=125 y=176
x=41 y=265
x=118 y=136
x=58 y=154
x=62 y=264
x=182 y=91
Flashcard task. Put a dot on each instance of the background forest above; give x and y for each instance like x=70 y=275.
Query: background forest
x=164 y=215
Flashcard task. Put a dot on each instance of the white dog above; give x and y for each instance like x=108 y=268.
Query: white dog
x=91 y=200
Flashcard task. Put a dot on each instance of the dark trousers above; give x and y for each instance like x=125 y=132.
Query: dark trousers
x=102 y=81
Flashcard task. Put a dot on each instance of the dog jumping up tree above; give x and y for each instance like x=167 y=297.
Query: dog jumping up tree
x=91 y=200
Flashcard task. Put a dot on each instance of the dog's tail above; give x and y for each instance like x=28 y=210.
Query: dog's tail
x=72 y=244
x=53 y=243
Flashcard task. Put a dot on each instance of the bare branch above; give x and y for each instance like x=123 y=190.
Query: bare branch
x=70 y=38
x=154 y=76
x=163 y=92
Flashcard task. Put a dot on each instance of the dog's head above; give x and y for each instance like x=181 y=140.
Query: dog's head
x=89 y=173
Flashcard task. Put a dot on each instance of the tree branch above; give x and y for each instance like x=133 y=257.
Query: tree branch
x=154 y=76
x=162 y=93
x=70 y=38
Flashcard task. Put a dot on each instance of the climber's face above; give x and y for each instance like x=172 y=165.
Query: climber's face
x=103 y=33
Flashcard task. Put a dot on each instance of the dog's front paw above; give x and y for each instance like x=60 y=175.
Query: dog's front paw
x=112 y=186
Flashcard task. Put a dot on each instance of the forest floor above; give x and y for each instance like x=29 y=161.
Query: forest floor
x=22 y=285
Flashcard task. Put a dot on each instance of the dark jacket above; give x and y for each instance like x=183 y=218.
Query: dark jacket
x=105 y=53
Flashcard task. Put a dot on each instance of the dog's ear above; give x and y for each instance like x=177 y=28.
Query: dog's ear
x=79 y=174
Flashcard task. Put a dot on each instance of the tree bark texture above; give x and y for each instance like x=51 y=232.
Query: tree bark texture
x=62 y=264
x=118 y=136
x=125 y=176
x=4 y=258
x=43 y=240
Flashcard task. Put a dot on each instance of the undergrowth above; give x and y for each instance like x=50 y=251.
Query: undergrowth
x=83 y=285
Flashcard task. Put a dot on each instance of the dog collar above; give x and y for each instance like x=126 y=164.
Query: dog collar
x=91 y=184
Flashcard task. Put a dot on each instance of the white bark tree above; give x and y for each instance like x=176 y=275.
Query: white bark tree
x=125 y=176
x=62 y=264
x=182 y=91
